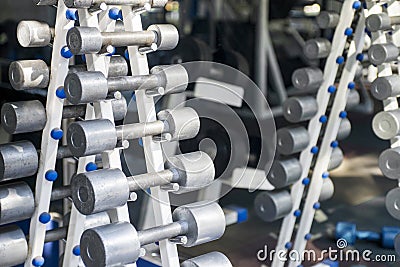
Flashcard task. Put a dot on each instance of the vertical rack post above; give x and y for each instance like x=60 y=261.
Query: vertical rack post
x=329 y=140
x=152 y=150
x=314 y=126
x=54 y=108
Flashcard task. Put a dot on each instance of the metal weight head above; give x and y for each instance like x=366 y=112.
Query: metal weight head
x=182 y=123
x=93 y=137
x=174 y=78
x=78 y=3
x=100 y=190
x=284 y=172
x=205 y=222
x=377 y=22
x=29 y=74
x=14 y=248
x=85 y=87
x=97 y=250
x=212 y=259
x=271 y=206
x=385 y=87
x=32 y=33
x=84 y=40
x=195 y=171
x=167 y=36
x=381 y=53
x=389 y=163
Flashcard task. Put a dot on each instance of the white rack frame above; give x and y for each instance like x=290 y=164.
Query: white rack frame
x=48 y=153
x=314 y=127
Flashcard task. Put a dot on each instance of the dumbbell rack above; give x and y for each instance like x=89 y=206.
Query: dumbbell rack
x=54 y=107
x=380 y=37
x=102 y=109
x=314 y=128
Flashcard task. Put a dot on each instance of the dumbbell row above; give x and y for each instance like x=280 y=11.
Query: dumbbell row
x=274 y=205
x=194 y=224
x=303 y=108
x=87 y=87
x=294 y=139
x=14 y=241
x=33 y=74
x=89 y=40
x=96 y=136
x=91 y=3
x=102 y=190
x=30 y=116
x=286 y=172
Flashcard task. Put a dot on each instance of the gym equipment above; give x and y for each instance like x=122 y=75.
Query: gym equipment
x=30 y=116
x=31 y=33
x=383 y=53
x=392 y=203
x=274 y=205
x=134 y=3
x=349 y=232
x=389 y=163
x=386 y=124
x=32 y=74
x=87 y=87
x=385 y=87
x=89 y=40
x=317 y=48
x=194 y=224
x=212 y=259
x=291 y=140
x=284 y=172
x=298 y=109
x=327 y=19
x=93 y=137
x=381 y=22
x=105 y=189
x=309 y=79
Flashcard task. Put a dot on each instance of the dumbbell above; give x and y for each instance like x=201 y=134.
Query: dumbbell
x=327 y=20
x=291 y=140
x=212 y=259
x=317 y=48
x=309 y=79
x=119 y=243
x=381 y=22
x=348 y=231
x=135 y=3
x=274 y=205
x=96 y=136
x=32 y=74
x=20 y=159
x=303 y=108
x=14 y=247
x=89 y=40
x=30 y=116
x=389 y=163
x=31 y=33
x=385 y=87
x=284 y=172
x=392 y=203
x=87 y=87
x=105 y=189
x=383 y=53
x=386 y=124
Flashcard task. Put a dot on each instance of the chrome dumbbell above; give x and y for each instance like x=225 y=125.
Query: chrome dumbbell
x=135 y=3
x=328 y=20
x=335 y=160
x=87 y=87
x=14 y=248
x=291 y=140
x=30 y=116
x=212 y=259
x=385 y=87
x=96 y=136
x=307 y=79
x=20 y=159
x=386 y=124
x=284 y=172
x=31 y=33
x=32 y=74
x=193 y=225
x=392 y=203
x=327 y=190
x=88 y=40
x=109 y=188
x=298 y=109
x=389 y=163
x=381 y=22
x=317 y=48
x=271 y=206
x=383 y=53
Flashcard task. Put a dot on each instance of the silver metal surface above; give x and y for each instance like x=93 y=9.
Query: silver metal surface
x=389 y=163
x=291 y=140
x=298 y=109
x=29 y=74
x=381 y=22
x=327 y=19
x=271 y=206
x=382 y=53
x=172 y=78
x=183 y=123
x=32 y=33
x=327 y=191
x=212 y=259
x=353 y=100
x=18 y=160
x=317 y=48
x=138 y=130
x=344 y=129
x=336 y=159
x=307 y=79
x=284 y=172
x=135 y=3
x=155 y=234
x=45 y=2
x=385 y=87
x=386 y=124
x=14 y=248
x=17 y=202
x=393 y=203
x=99 y=190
